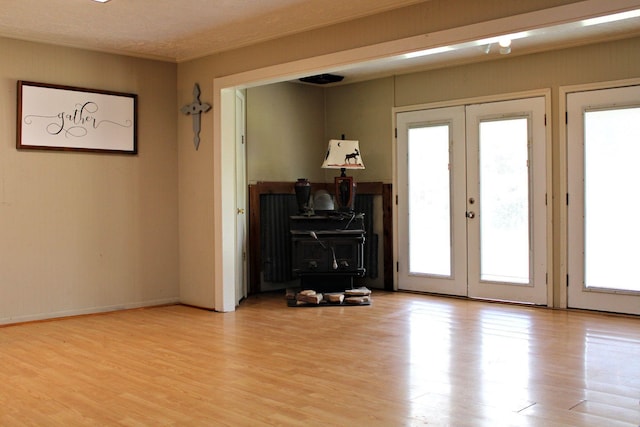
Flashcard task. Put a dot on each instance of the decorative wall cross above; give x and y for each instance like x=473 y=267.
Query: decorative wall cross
x=195 y=109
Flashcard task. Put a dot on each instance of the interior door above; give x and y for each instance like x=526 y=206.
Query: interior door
x=471 y=208
x=603 y=130
x=241 y=199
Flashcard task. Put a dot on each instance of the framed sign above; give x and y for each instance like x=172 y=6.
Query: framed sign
x=52 y=117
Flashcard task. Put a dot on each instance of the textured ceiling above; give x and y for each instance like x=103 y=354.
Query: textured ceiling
x=174 y=30
x=181 y=30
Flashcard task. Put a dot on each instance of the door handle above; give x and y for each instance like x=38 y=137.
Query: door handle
x=240 y=211
x=470 y=214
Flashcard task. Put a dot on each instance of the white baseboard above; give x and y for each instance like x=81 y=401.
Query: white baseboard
x=88 y=310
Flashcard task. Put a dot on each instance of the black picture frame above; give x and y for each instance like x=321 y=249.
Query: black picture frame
x=56 y=117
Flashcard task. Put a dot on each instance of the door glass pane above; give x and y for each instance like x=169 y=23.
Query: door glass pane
x=504 y=201
x=612 y=231
x=429 y=200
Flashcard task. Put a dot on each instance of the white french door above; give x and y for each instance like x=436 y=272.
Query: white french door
x=471 y=208
x=603 y=145
x=432 y=238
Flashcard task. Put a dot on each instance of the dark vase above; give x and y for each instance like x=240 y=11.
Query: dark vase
x=303 y=193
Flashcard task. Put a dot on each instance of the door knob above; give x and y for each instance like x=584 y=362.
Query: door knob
x=471 y=214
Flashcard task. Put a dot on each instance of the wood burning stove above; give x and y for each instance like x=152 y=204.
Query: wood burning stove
x=328 y=250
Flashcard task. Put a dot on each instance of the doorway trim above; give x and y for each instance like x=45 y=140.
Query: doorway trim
x=224 y=91
x=563 y=92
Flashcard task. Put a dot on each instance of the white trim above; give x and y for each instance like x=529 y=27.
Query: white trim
x=224 y=198
x=598 y=86
x=394 y=190
x=563 y=92
x=563 y=176
x=475 y=100
x=549 y=197
x=86 y=311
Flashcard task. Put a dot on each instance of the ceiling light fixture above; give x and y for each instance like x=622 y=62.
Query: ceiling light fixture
x=497 y=39
x=504 y=41
x=322 y=79
x=505 y=45
x=612 y=18
x=427 y=52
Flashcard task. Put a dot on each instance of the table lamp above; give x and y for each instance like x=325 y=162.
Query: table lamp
x=344 y=154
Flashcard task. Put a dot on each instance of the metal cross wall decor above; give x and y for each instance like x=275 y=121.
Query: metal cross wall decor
x=195 y=109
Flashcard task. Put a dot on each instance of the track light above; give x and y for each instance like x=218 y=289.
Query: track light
x=505 y=45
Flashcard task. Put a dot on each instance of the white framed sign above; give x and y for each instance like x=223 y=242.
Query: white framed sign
x=54 y=117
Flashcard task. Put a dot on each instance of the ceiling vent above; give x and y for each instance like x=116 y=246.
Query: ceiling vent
x=322 y=79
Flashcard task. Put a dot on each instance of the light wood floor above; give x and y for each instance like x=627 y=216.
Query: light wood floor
x=406 y=360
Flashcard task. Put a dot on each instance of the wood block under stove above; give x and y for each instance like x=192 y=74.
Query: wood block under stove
x=357 y=300
x=361 y=291
x=334 y=298
x=311 y=299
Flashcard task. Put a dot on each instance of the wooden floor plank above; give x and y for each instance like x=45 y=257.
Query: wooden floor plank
x=405 y=360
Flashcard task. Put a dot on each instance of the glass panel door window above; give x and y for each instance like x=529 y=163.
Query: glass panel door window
x=429 y=200
x=611 y=153
x=504 y=200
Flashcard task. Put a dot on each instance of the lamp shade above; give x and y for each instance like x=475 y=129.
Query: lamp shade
x=343 y=154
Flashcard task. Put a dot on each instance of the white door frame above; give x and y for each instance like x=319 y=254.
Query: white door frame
x=223 y=216
x=564 y=91
x=241 y=197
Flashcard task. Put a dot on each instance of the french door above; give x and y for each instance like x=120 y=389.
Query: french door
x=472 y=196
x=603 y=140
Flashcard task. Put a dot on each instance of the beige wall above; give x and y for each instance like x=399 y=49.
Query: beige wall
x=362 y=111
x=84 y=232
x=285 y=132
x=289 y=125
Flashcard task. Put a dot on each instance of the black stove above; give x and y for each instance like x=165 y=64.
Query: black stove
x=328 y=250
